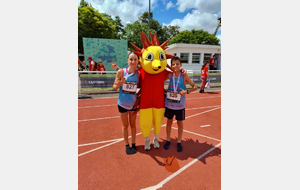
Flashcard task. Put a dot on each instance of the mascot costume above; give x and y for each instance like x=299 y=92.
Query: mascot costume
x=150 y=99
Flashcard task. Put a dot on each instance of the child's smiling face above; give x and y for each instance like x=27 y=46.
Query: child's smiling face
x=176 y=65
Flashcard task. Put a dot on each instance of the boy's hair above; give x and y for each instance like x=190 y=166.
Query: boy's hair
x=174 y=59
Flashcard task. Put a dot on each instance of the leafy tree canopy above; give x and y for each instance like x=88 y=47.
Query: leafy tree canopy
x=132 y=33
x=195 y=37
x=92 y=24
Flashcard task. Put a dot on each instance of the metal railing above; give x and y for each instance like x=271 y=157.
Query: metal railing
x=97 y=82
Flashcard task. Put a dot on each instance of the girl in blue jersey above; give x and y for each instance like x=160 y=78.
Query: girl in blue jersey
x=127 y=80
x=175 y=101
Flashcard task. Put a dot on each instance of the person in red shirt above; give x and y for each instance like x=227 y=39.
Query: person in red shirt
x=92 y=64
x=211 y=63
x=101 y=67
x=204 y=76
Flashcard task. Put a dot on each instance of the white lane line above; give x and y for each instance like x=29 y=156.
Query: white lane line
x=98 y=118
x=139 y=114
x=205 y=125
x=203 y=107
x=100 y=147
x=202 y=112
x=87 y=144
x=204 y=97
x=152 y=129
x=160 y=185
x=97 y=106
x=198 y=134
x=114 y=97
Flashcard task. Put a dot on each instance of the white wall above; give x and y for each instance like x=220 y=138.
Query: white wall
x=194 y=48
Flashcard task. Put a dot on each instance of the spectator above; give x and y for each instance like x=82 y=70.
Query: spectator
x=83 y=66
x=204 y=76
x=101 y=67
x=211 y=63
x=216 y=64
x=79 y=67
x=92 y=64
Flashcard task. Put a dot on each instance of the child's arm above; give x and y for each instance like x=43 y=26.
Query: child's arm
x=168 y=76
x=118 y=80
x=188 y=80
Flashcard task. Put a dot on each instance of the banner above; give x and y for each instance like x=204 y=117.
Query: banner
x=97 y=82
x=107 y=50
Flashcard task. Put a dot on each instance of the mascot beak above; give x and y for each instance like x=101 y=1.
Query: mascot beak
x=156 y=65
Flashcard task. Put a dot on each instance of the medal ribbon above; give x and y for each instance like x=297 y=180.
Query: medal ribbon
x=175 y=87
x=126 y=76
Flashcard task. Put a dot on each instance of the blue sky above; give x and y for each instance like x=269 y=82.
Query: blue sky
x=187 y=14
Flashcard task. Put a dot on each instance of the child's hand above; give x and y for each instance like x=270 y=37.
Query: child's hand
x=113 y=65
x=182 y=92
x=119 y=83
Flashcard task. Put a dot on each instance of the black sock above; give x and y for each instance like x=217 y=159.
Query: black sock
x=179 y=147
x=134 y=148
x=166 y=146
x=128 y=151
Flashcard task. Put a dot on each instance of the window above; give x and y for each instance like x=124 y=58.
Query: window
x=196 y=58
x=184 y=57
x=207 y=57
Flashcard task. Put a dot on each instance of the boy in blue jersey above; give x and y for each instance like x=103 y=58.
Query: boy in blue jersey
x=127 y=80
x=175 y=101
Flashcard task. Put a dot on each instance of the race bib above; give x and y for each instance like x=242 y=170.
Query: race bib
x=129 y=87
x=170 y=97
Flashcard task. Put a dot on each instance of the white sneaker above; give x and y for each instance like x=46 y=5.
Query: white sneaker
x=147 y=145
x=156 y=143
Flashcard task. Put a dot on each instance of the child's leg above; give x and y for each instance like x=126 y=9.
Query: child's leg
x=203 y=83
x=180 y=130
x=132 y=121
x=180 y=117
x=168 y=128
x=124 y=119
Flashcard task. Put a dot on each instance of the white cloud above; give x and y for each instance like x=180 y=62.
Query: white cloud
x=169 y=5
x=210 y=6
x=197 y=20
x=127 y=10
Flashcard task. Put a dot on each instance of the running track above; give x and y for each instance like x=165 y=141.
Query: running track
x=103 y=163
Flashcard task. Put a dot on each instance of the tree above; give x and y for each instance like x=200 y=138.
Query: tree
x=154 y=24
x=84 y=4
x=195 y=37
x=132 y=33
x=91 y=24
x=169 y=32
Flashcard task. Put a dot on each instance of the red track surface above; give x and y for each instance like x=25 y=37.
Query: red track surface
x=103 y=163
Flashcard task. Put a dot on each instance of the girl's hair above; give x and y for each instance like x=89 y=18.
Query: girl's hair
x=132 y=53
x=204 y=64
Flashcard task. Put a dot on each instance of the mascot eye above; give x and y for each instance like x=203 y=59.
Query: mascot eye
x=161 y=56
x=149 y=57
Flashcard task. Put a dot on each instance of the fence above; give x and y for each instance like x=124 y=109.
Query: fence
x=95 y=82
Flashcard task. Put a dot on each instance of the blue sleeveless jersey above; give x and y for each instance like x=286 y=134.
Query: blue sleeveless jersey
x=127 y=101
x=174 y=105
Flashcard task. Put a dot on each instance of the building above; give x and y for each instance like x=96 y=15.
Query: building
x=193 y=55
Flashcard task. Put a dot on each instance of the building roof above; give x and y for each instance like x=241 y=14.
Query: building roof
x=182 y=45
